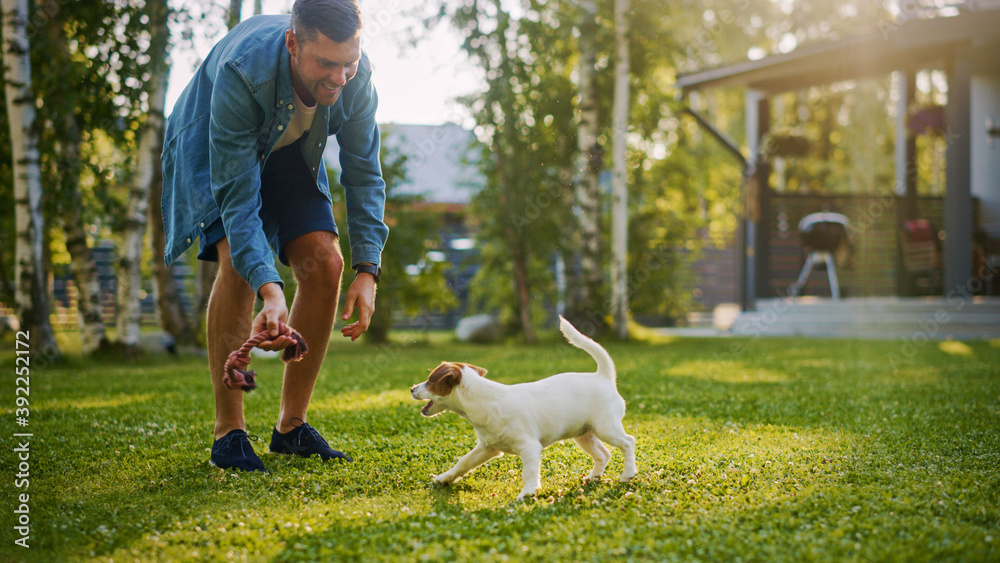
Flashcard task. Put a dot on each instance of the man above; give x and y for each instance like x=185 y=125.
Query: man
x=242 y=170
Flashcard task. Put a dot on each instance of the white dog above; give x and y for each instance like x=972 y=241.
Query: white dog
x=525 y=418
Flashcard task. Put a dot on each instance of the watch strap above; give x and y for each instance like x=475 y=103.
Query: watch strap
x=375 y=271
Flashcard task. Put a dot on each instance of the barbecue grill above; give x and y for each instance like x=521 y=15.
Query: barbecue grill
x=822 y=234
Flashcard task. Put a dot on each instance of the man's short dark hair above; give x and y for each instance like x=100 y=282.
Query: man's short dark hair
x=337 y=19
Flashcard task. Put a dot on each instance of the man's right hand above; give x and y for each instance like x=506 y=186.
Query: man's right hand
x=275 y=311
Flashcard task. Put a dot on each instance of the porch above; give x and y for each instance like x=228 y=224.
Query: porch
x=962 y=271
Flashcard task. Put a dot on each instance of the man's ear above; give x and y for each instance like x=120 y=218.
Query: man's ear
x=291 y=42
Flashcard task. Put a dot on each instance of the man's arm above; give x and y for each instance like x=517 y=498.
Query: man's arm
x=365 y=197
x=362 y=177
x=235 y=120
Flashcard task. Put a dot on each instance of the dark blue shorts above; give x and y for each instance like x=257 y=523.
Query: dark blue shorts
x=291 y=205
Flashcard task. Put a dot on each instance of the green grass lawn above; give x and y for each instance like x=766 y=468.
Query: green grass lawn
x=761 y=450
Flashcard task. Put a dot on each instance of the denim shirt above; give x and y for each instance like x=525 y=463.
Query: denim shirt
x=224 y=126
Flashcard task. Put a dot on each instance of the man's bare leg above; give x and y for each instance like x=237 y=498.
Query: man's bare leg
x=230 y=308
x=318 y=265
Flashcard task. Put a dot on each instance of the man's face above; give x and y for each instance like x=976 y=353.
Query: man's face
x=321 y=67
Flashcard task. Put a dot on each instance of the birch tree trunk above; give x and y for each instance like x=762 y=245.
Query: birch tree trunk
x=584 y=308
x=147 y=172
x=619 y=182
x=31 y=280
x=172 y=315
x=235 y=12
x=509 y=177
x=90 y=317
x=168 y=302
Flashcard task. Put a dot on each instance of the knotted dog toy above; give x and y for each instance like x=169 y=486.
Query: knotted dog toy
x=237 y=376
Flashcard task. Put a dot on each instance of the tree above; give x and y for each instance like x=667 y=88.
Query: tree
x=585 y=277
x=30 y=273
x=90 y=131
x=619 y=208
x=64 y=168
x=147 y=173
x=173 y=319
x=235 y=13
x=528 y=154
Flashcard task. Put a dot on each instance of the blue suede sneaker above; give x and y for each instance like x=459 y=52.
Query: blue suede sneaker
x=305 y=441
x=233 y=451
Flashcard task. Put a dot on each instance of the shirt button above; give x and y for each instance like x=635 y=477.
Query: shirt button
x=290 y=106
x=189 y=240
x=281 y=102
x=281 y=127
x=203 y=225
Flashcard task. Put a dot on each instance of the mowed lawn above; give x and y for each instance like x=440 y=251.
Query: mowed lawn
x=752 y=450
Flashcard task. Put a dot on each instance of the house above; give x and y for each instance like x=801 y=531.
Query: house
x=965 y=46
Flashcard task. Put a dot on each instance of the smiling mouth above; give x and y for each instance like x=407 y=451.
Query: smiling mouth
x=426 y=408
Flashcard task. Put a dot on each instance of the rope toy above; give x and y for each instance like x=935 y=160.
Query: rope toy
x=236 y=374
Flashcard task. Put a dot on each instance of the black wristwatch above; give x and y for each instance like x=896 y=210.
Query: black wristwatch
x=375 y=271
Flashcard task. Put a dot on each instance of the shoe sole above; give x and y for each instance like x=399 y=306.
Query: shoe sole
x=265 y=471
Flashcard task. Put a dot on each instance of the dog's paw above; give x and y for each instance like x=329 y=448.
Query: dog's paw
x=626 y=477
x=524 y=495
x=441 y=480
x=592 y=479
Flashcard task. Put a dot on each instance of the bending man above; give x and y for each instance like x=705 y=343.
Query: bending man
x=243 y=171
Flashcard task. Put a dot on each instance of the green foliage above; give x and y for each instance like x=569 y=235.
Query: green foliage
x=528 y=143
x=760 y=450
x=106 y=51
x=91 y=63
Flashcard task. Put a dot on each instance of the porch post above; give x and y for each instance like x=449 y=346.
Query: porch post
x=905 y=188
x=755 y=275
x=958 y=217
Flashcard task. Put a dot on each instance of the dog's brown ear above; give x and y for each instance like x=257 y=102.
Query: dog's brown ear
x=479 y=370
x=444 y=378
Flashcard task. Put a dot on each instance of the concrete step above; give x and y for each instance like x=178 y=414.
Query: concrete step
x=874 y=317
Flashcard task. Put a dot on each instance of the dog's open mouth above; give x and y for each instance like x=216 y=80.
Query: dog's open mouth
x=424 y=411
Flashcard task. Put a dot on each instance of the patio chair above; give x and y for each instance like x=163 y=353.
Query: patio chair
x=921 y=250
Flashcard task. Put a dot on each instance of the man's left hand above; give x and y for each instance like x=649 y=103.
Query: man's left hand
x=361 y=294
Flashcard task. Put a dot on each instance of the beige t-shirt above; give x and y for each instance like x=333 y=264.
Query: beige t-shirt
x=300 y=123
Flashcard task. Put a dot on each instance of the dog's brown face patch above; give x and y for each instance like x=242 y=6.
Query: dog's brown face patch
x=440 y=383
x=444 y=378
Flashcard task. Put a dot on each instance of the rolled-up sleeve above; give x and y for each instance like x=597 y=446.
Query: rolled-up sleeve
x=235 y=175
x=362 y=177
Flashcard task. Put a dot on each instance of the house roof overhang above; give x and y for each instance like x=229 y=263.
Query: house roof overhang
x=913 y=45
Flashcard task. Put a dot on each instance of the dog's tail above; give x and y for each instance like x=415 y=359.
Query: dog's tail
x=605 y=365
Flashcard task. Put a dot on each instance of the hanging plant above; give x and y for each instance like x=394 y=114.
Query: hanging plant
x=787 y=144
x=926 y=120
